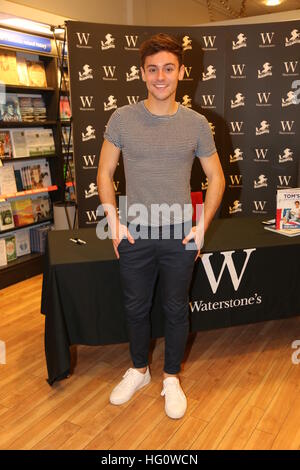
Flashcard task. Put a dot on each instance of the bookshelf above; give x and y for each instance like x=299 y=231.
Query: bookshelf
x=39 y=64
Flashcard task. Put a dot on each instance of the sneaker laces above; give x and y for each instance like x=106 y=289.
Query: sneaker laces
x=169 y=387
x=129 y=378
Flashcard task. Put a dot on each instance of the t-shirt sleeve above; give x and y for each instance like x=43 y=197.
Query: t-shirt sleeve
x=206 y=144
x=112 y=132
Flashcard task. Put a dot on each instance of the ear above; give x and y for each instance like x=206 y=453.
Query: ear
x=143 y=73
x=181 y=72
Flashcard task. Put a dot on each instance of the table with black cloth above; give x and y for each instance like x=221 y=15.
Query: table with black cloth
x=246 y=274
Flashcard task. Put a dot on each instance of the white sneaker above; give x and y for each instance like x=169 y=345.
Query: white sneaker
x=175 y=399
x=132 y=381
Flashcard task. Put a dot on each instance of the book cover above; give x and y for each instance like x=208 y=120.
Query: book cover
x=26 y=107
x=3 y=257
x=41 y=175
x=281 y=231
x=47 y=142
x=33 y=141
x=11 y=251
x=288 y=209
x=65 y=110
x=22 y=71
x=10 y=110
x=6 y=216
x=36 y=73
x=22 y=212
x=39 y=108
x=22 y=242
x=19 y=145
x=8 y=68
x=7 y=180
x=41 y=208
x=5 y=144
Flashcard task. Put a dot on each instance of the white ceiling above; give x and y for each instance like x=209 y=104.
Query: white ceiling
x=143 y=12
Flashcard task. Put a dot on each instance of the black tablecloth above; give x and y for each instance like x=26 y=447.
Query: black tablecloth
x=246 y=274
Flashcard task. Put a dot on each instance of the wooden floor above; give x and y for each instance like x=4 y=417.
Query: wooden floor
x=242 y=387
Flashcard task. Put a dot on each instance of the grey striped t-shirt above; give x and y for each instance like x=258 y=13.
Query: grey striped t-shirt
x=158 y=153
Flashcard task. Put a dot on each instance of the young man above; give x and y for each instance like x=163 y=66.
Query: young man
x=159 y=139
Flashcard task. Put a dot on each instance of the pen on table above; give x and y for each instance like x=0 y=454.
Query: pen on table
x=78 y=241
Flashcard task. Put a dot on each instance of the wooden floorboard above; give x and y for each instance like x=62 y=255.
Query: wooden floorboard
x=241 y=385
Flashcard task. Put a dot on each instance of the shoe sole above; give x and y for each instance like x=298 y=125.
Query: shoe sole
x=117 y=402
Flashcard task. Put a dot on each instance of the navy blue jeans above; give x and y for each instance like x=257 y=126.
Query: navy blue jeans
x=140 y=265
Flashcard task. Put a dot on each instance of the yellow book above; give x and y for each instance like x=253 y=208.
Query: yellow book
x=36 y=74
x=8 y=68
x=22 y=211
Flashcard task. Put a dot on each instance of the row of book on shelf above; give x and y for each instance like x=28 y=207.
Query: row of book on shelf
x=25 y=211
x=287 y=220
x=19 y=143
x=17 y=69
x=17 y=107
x=20 y=107
x=19 y=176
x=23 y=242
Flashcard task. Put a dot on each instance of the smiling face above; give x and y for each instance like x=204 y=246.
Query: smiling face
x=161 y=73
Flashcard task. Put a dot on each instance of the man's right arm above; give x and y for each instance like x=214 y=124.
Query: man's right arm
x=108 y=161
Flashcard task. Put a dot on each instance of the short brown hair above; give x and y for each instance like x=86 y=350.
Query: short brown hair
x=161 y=42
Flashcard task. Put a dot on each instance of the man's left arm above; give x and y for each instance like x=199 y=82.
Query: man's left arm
x=216 y=184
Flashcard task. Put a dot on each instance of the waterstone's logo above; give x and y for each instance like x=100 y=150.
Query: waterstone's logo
x=133 y=74
x=239 y=101
x=109 y=42
x=186 y=43
x=266 y=71
x=263 y=129
x=186 y=101
x=86 y=73
x=240 y=42
x=287 y=156
x=210 y=73
x=111 y=103
x=237 y=156
x=293 y=39
x=235 y=208
x=89 y=134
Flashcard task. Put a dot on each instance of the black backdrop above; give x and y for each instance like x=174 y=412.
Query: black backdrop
x=240 y=77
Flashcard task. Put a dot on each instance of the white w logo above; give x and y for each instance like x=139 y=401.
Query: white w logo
x=236 y=126
x=284 y=180
x=287 y=125
x=263 y=96
x=131 y=41
x=259 y=205
x=208 y=99
x=267 y=37
x=290 y=66
x=238 y=68
x=89 y=159
x=109 y=70
x=92 y=216
x=209 y=40
x=261 y=153
x=83 y=37
x=132 y=99
x=86 y=101
x=228 y=261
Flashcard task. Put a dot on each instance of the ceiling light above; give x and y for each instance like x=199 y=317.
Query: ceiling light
x=21 y=23
x=272 y=3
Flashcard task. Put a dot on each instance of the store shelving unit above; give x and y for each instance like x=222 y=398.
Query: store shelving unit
x=32 y=264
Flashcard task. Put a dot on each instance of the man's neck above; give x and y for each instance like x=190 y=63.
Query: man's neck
x=161 y=108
